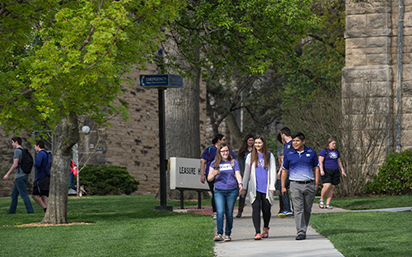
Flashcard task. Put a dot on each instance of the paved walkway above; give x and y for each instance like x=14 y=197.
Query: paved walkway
x=282 y=233
x=281 y=241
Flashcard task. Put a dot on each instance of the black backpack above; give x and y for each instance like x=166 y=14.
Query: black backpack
x=49 y=163
x=26 y=161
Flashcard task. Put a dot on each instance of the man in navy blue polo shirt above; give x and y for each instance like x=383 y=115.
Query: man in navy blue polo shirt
x=302 y=165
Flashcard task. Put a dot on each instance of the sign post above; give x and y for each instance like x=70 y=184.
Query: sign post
x=162 y=82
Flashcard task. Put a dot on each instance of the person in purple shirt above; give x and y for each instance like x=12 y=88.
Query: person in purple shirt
x=260 y=174
x=330 y=170
x=302 y=165
x=206 y=159
x=224 y=170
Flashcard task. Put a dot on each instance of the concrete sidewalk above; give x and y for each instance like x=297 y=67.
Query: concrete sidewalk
x=281 y=241
x=282 y=234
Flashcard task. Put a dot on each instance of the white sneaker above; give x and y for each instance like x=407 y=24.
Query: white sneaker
x=214 y=216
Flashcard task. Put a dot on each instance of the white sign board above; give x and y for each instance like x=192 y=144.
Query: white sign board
x=185 y=174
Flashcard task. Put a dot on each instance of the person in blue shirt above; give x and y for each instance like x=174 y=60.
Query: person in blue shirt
x=330 y=169
x=42 y=180
x=286 y=136
x=302 y=165
x=224 y=171
x=206 y=159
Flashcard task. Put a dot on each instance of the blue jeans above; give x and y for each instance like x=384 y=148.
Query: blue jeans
x=225 y=203
x=20 y=188
x=71 y=182
x=285 y=198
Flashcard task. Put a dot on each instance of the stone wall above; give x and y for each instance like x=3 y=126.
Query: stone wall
x=133 y=143
x=370 y=76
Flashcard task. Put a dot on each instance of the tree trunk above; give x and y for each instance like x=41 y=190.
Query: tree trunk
x=182 y=123
x=66 y=135
x=235 y=134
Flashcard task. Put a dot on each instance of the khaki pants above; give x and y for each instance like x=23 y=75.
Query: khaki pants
x=302 y=199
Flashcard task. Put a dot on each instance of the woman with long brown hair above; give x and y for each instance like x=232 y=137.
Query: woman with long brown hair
x=244 y=150
x=224 y=171
x=260 y=173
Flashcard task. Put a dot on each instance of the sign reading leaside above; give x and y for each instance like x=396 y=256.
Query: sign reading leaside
x=185 y=174
x=161 y=81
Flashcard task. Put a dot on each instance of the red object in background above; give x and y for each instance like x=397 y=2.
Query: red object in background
x=73 y=168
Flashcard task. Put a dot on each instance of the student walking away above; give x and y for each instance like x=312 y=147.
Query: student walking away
x=286 y=136
x=20 y=177
x=43 y=168
x=330 y=169
x=224 y=171
x=260 y=173
x=244 y=150
x=302 y=165
x=206 y=159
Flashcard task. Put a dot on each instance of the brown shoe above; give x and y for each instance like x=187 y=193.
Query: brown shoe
x=265 y=233
x=258 y=237
x=240 y=210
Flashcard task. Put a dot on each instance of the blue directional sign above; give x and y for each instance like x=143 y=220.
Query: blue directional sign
x=161 y=81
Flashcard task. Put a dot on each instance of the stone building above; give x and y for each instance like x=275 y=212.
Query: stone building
x=377 y=78
x=133 y=143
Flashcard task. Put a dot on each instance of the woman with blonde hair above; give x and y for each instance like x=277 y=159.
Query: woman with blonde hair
x=330 y=169
x=260 y=173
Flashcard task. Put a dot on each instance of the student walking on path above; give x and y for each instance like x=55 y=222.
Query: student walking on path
x=206 y=159
x=245 y=149
x=224 y=171
x=330 y=169
x=286 y=136
x=260 y=173
x=20 y=179
x=302 y=164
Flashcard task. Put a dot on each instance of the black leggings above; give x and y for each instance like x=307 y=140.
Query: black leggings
x=261 y=203
x=212 y=188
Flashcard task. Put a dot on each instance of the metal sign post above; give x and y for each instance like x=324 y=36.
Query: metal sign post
x=162 y=82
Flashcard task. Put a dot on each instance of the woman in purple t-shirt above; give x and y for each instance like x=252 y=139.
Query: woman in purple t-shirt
x=260 y=173
x=330 y=168
x=224 y=170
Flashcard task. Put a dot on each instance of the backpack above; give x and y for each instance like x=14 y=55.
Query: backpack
x=26 y=161
x=47 y=171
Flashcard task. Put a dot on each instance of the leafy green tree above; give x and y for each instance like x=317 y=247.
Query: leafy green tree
x=64 y=59
x=225 y=40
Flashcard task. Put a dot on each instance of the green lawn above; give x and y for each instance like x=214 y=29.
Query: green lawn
x=368 y=233
x=366 y=203
x=124 y=226
x=129 y=226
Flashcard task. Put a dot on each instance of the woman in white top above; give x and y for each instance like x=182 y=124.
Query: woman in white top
x=260 y=173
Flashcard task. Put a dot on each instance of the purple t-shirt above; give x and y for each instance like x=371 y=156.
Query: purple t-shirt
x=209 y=155
x=261 y=175
x=330 y=161
x=226 y=180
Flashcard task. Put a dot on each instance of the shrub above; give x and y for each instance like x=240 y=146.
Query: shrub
x=394 y=177
x=107 y=180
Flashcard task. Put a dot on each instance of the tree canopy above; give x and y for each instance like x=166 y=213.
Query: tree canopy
x=64 y=59
x=69 y=56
